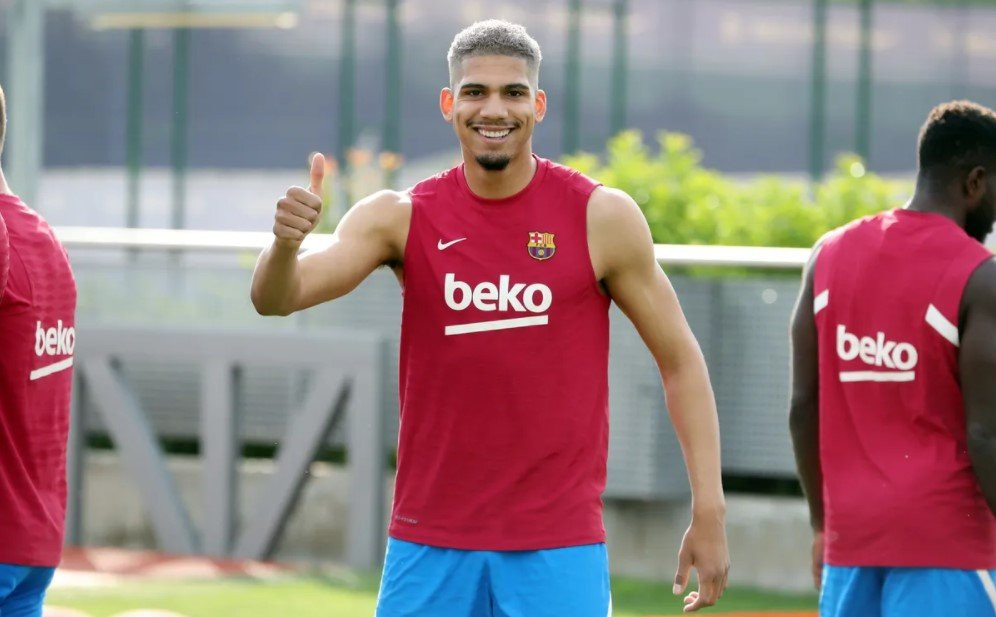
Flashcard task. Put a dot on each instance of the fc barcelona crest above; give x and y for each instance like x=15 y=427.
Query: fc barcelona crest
x=541 y=245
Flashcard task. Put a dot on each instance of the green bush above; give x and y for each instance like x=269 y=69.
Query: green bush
x=685 y=203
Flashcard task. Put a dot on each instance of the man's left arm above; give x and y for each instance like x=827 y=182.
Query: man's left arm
x=977 y=365
x=622 y=254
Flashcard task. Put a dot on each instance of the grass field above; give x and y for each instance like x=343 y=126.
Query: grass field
x=314 y=596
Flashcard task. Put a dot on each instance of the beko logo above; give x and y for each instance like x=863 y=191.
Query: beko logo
x=55 y=341
x=898 y=358
x=535 y=298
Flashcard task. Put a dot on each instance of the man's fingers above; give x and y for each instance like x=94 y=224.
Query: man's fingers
x=317 y=173
x=711 y=585
x=693 y=604
x=283 y=232
x=709 y=590
x=700 y=600
x=294 y=222
x=305 y=197
x=296 y=208
x=681 y=576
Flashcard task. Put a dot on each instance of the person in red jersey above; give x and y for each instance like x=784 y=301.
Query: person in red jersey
x=893 y=411
x=37 y=337
x=4 y=255
x=508 y=264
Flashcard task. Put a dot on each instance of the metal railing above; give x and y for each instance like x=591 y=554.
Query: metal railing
x=732 y=318
x=202 y=240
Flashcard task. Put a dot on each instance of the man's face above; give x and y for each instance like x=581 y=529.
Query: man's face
x=493 y=109
x=979 y=221
x=982 y=214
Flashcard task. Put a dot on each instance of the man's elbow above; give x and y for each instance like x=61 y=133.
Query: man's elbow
x=803 y=416
x=268 y=309
x=982 y=444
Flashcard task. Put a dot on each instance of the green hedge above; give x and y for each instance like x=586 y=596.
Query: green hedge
x=685 y=203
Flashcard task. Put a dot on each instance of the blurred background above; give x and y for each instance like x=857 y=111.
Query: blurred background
x=157 y=135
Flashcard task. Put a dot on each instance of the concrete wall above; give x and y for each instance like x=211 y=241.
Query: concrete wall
x=769 y=537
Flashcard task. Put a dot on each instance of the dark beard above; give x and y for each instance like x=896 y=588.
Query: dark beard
x=494 y=162
x=979 y=222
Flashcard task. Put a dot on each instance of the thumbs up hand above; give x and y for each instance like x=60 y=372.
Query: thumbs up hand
x=299 y=209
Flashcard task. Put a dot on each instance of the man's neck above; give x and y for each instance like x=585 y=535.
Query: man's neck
x=928 y=197
x=4 y=188
x=499 y=184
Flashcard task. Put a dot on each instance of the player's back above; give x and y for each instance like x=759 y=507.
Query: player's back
x=37 y=336
x=898 y=484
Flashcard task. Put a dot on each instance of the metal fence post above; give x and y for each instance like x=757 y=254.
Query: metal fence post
x=572 y=79
x=26 y=96
x=366 y=459
x=347 y=82
x=862 y=127
x=136 y=52
x=76 y=462
x=817 y=104
x=620 y=41
x=392 y=106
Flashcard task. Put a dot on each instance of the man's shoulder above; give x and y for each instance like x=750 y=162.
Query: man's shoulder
x=612 y=206
x=386 y=207
x=432 y=184
x=573 y=178
x=980 y=291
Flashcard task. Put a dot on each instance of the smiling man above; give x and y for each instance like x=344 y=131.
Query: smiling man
x=508 y=263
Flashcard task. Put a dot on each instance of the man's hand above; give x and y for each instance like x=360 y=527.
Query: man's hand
x=703 y=548
x=298 y=210
x=818 y=560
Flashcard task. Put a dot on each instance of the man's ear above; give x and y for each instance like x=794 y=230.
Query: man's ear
x=975 y=183
x=446 y=104
x=540 y=105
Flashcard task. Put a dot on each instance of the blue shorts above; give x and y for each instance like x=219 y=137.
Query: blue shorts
x=22 y=590
x=907 y=592
x=427 y=581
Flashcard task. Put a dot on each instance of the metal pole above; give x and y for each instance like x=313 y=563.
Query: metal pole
x=572 y=79
x=862 y=128
x=817 y=105
x=76 y=461
x=25 y=97
x=959 y=65
x=347 y=81
x=136 y=52
x=617 y=120
x=392 y=109
x=178 y=141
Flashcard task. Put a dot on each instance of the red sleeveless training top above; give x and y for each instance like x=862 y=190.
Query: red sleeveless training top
x=37 y=338
x=504 y=368
x=898 y=483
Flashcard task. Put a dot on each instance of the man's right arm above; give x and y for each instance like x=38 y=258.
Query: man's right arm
x=804 y=417
x=976 y=367
x=370 y=235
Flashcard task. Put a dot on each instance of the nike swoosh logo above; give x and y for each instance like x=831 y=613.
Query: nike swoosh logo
x=442 y=246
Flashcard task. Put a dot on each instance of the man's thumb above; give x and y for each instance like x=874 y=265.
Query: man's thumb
x=317 y=173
